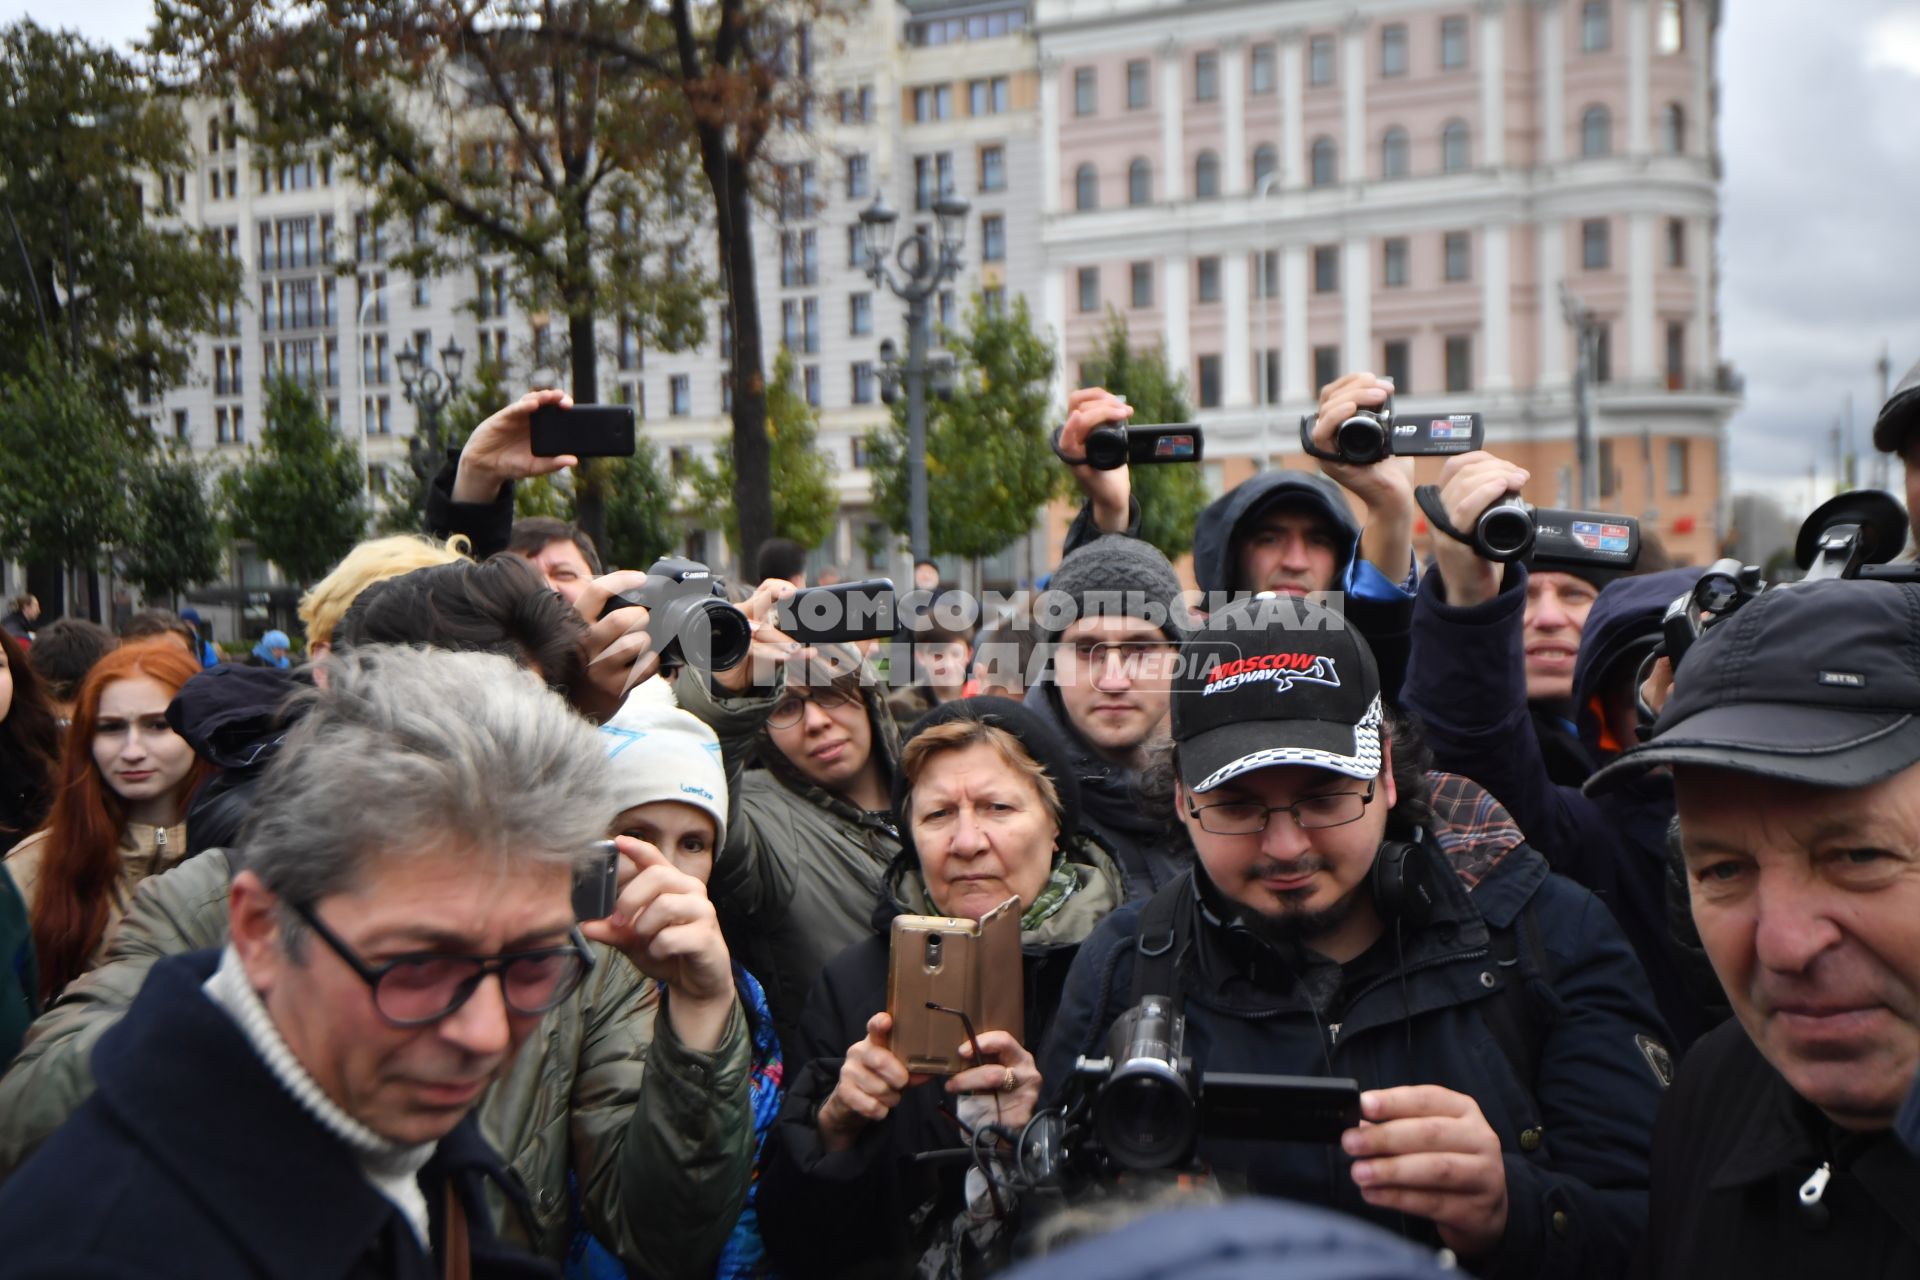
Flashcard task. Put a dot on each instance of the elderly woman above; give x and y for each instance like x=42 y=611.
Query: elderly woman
x=988 y=809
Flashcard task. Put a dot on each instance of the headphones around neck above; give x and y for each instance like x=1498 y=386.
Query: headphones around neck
x=1398 y=880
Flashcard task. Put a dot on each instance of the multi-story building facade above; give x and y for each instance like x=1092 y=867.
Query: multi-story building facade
x=1280 y=192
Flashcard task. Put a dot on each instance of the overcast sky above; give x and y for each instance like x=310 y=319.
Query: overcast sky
x=1820 y=129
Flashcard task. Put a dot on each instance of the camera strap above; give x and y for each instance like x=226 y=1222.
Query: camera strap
x=1053 y=442
x=1428 y=496
x=1165 y=931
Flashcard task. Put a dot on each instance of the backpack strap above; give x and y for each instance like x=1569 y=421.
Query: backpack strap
x=1165 y=930
x=1517 y=1019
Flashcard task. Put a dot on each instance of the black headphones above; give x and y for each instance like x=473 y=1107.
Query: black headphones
x=1399 y=881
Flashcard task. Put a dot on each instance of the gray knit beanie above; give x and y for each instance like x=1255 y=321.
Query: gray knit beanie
x=1114 y=576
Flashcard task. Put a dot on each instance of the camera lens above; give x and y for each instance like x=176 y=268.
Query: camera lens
x=710 y=634
x=1506 y=530
x=1106 y=448
x=1361 y=439
x=1145 y=1117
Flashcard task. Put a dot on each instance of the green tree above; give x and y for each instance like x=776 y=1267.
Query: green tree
x=299 y=499
x=806 y=503
x=84 y=146
x=176 y=540
x=68 y=447
x=1171 y=498
x=989 y=465
x=640 y=498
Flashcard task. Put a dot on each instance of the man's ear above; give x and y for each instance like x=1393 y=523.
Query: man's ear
x=253 y=921
x=1387 y=789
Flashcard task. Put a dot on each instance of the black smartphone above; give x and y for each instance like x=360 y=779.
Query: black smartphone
x=596 y=883
x=843 y=612
x=585 y=431
x=1278 y=1108
x=1111 y=447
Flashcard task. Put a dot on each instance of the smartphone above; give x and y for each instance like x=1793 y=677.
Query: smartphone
x=843 y=612
x=1278 y=1108
x=943 y=966
x=585 y=431
x=596 y=883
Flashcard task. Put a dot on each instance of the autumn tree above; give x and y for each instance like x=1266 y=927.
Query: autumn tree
x=806 y=503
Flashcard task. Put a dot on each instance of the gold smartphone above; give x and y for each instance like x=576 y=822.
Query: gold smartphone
x=943 y=967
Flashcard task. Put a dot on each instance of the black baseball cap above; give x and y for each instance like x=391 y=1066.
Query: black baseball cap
x=1275 y=680
x=1899 y=415
x=1815 y=682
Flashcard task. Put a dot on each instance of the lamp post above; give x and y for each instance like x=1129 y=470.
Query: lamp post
x=428 y=390
x=1268 y=185
x=925 y=263
x=1580 y=318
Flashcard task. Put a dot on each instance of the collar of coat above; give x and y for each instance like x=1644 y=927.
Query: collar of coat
x=176 y=1070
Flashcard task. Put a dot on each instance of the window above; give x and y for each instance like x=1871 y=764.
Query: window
x=1326 y=365
x=862 y=375
x=1320 y=60
x=993 y=168
x=1139 y=182
x=1086 y=188
x=1270 y=367
x=626 y=350
x=1260 y=65
x=1084 y=101
x=1393 y=267
x=1206 y=277
x=1139 y=87
x=1140 y=274
x=1596 y=132
x=810 y=325
x=949 y=311
x=810 y=384
x=1209 y=380
x=1458 y=252
x=859 y=314
x=1206 y=176
x=933 y=102
x=789 y=325
x=1596 y=249
x=1459 y=362
x=1206 y=77
x=1677 y=452
x=1266 y=276
x=993 y=300
x=222 y=431
x=1676 y=356
x=1398 y=365
x=858 y=177
x=1393 y=49
x=1394 y=157
x=1596 y=27
x=856 y=248
x=1324 y=172
x=1266 y=164
x=182 y=429
x=987 y=97
x=1603 y=352
x=1089 y=282
x=1676 y=242
x=1453 y=43
x=1455 y=146
x=1672 y=35
x=1673 y=129
x=680 y=395
x=993 y=238
x=1326 y=268
x=422 y=291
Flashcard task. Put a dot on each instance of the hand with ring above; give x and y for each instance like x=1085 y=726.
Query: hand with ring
x=1005 y=1070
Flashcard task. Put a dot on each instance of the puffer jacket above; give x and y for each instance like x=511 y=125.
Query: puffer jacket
x=1575 y=1122
x=144 y=851
x=796 y=882
x=660 y=1137
x=861 y=1212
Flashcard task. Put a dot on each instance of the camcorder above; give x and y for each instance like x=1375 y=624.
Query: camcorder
x=1144 y=1107
x=1547 y=538
x=1372 y=434
x=1116 y=445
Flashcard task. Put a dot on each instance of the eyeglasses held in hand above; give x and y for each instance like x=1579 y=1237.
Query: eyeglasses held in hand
x=1314 y=813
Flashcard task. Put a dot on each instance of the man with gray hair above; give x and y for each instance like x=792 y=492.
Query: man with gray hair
x=401 y=921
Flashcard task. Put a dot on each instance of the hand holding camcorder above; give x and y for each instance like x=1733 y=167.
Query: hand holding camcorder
x=1369 y=435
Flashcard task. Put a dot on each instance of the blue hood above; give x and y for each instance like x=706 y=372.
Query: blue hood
x=1626 y=615
x=1220 y=526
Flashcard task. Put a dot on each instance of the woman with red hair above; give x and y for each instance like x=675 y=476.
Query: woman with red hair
x=121 y=793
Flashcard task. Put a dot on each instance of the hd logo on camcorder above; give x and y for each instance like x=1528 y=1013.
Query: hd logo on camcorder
x=1283 y=670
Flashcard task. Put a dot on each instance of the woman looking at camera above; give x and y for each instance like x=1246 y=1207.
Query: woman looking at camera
x=988 y=809
x=122 y=789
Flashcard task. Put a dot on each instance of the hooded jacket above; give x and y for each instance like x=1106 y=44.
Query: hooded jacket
x=658 y=1137
x=237 y=717
x=1468 y=684
x=1382 y=610
x=853 y=1213
x=1575 y=1136
x=796 y=882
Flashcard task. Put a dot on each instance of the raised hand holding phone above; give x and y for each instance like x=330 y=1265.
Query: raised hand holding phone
x=664 y=923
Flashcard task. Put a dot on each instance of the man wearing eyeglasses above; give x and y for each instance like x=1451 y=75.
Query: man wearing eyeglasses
x=1497 y=1023
x=300 y=1102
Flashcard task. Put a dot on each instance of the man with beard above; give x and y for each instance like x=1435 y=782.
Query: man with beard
x=1510 y=1061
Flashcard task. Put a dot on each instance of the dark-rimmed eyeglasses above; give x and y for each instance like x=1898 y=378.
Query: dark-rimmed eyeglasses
x=791 y=709
x=1314 y=813
x=415 y=990
x=1137 y=659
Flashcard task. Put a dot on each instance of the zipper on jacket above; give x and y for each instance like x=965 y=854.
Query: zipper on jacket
x=1410 y=970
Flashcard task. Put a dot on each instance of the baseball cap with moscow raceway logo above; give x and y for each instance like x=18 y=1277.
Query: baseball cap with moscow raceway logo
x=1275 y=680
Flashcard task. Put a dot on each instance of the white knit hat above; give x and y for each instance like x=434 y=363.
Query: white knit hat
x=660 y=752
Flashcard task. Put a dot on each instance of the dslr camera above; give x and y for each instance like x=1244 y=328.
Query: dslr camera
x=690 y=620
x=1372 y=434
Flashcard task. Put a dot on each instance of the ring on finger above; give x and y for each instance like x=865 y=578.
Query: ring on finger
x=1009 y=1084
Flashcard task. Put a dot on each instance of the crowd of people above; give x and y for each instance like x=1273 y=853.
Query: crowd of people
x=1427 y=915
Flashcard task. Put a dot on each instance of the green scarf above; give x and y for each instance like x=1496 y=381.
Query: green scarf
x=1062 y=882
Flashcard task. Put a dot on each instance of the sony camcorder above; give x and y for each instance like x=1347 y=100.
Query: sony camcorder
x=1372 y=434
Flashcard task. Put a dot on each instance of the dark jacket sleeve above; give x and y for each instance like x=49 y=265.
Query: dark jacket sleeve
x=1581 y=1211
x=487 y=525
x=1083 y=530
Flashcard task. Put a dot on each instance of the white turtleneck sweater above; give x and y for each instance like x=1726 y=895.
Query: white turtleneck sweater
x=393 y=1170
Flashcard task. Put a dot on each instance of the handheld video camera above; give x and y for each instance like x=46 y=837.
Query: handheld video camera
x=690 y=621
x=1372 y=434
x=1143 y=1106
x=1541 y=537
x=1114 y=445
